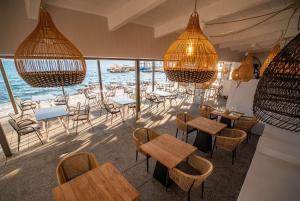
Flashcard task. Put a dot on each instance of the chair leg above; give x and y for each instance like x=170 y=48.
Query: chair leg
x=76 y=127
x=39 y=137
x=176 y=132
x=136 y=155
x=19 y=139
x=147 y=163
x=233 y=156
x=189 y=195
x=90 y=123
x=202 y=192
x=186 y=137
x=213 y=148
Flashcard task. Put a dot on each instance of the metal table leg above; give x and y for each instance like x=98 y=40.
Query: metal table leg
x=160 y=174
x=203 y=141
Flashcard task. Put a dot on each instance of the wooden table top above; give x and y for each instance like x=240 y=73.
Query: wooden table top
x=168 y=150
x=104 y=183
x=227 y=115
x=207 y=125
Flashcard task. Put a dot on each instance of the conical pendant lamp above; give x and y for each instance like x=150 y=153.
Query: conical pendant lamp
x=277 y=97
x=244 y=73
x=191 y=57
x=48 y=59
x=269 y=58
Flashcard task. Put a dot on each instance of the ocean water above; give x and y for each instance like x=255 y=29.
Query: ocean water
x=23 y=91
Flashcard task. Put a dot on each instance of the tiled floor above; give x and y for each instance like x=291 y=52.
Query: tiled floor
x=30 y=174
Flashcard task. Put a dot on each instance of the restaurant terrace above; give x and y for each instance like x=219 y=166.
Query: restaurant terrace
x=149 y=100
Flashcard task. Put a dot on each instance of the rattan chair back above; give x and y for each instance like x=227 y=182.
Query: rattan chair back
x=75 y=165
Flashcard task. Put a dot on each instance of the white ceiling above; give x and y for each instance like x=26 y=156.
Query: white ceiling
x=169 y=16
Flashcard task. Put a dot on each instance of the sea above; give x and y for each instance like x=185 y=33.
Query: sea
x=23 y=91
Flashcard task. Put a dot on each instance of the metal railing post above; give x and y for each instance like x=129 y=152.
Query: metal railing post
x=153 y=74
x=137 y=88
x=100 y=79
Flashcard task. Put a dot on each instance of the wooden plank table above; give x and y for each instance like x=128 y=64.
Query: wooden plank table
x=104 y=183
x=206 y=128
x=228 y=118
x=169 y=152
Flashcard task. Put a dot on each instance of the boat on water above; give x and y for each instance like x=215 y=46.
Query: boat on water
x=120 y=68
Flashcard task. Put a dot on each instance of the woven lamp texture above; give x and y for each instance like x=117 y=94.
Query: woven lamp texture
x=244 y=73
x=207 y=84
x=48 y=59
x=191 y=58
x=269 y=58
x=277 y=97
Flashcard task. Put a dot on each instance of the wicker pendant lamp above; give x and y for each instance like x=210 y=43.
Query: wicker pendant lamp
x=269 y=58
x=48 y=59
x=277 y=97
x=207 y=84
x=244 y=73
x=191 y=57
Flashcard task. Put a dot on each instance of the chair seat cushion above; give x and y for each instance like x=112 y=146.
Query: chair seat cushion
x=80 y=117
x=29 y=129
x=186 y=168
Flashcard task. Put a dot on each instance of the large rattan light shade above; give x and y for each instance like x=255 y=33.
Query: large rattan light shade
x=191 y=58
x=277 y=97
x=244 y=73
x=269 y=58
x=48 y=59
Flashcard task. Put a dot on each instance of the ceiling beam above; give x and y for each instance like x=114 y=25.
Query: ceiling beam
x=216 y=10
x=129 y=11
x=32 y=8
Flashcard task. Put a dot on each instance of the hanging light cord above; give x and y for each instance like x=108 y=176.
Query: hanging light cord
x=250 y=18
x=195 y=8
x=250 y=27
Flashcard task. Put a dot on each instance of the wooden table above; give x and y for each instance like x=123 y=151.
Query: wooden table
x=169 y=152
x=206 y=128
x=228 y=118
x=104 y=183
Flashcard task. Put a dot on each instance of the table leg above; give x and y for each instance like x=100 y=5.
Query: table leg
x=203 y=141
x=64 y=125
x=45 y=124
x=226 y=121
x=160 y=174
x=123 y=112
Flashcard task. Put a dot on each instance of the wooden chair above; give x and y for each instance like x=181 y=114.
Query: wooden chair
x=82 y=115
x=246 y=123
x=25 y=127
x=205 y=111
x=191 y=174
x=181 y=124
x=229 y=139
x=75 y=165
x=141 y=136
x=113 y=110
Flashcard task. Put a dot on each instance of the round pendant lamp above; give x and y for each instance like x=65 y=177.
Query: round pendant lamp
x=245 y=71
x=46 y=58
x=207 y=84
x=277 y=97
x=269 y=58
x=191 y=58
